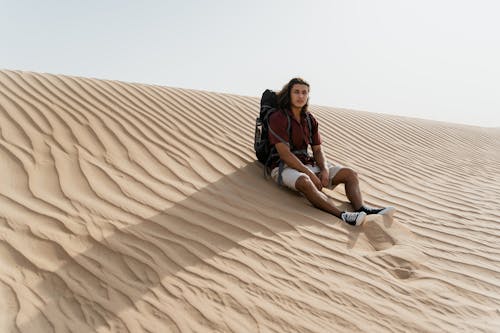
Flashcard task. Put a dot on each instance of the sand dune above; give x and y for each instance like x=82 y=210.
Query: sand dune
x=136 y=208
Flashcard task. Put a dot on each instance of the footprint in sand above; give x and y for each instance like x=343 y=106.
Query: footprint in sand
x=377 y=235
x=397 y=266
x=396 y=247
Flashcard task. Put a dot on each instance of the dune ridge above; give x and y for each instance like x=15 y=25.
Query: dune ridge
x=138 y=208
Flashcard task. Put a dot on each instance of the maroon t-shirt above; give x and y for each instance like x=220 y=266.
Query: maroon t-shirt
x=278 y=122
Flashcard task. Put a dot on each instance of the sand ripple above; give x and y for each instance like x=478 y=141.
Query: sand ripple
x=136 y=208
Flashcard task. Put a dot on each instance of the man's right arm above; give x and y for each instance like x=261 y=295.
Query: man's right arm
x=293 y=162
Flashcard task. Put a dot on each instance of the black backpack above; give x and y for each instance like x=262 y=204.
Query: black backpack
x=268 y=104
x=264 y=151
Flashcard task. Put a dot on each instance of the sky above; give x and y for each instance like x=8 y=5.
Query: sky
x=431 y=59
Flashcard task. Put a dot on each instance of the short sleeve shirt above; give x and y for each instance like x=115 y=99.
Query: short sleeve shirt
x=278 y=122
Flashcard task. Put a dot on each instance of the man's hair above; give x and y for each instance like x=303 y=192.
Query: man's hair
x=284 y=94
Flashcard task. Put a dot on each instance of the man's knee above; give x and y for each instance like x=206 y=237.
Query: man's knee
x=347 y=175
x=353 y=174
x=304 y=184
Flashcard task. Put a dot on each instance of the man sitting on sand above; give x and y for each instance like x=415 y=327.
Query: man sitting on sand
x=309 y=174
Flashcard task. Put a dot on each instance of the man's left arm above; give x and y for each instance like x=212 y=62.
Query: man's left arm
x=319 y=158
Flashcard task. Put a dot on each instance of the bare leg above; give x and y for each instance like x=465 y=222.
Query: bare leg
x=317 y=198
x=350 y=180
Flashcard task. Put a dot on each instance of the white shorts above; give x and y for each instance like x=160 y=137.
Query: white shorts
x=290 y=175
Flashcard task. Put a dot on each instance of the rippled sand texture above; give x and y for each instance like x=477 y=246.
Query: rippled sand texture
x=136 y=208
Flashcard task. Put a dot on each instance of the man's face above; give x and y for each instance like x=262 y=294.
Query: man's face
x=299 y=95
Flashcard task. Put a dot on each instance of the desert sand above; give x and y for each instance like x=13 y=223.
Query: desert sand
x=138 y=208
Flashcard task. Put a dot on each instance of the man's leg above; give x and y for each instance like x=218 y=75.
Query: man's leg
x=349 y=178
x=317 y=198
x=302 y=183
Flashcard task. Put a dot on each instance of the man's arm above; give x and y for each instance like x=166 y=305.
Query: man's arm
x=293 y=162
x=319 y=157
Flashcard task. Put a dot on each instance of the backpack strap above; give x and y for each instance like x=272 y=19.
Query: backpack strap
x=279 y=137
x=309 y=124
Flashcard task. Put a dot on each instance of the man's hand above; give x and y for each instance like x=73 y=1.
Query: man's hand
x=319 y=157
x=317 y=182
x=293 y=162
x=324 y=176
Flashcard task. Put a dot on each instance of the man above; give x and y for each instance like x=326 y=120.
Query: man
x=309 y=174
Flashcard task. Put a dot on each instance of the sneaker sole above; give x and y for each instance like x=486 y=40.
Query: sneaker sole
x=361 y=219
x=389 y=211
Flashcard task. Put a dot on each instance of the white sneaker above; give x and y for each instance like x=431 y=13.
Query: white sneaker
x=353 y=218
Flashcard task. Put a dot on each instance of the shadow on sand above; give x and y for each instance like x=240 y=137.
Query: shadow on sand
x=101 y=288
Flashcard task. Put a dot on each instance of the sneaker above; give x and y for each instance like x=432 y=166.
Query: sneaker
x=381 y=211
x=353 y=218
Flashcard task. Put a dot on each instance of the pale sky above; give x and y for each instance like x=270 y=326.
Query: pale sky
x=431 y=59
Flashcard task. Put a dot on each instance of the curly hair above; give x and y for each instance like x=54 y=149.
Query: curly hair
x=283 y=95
